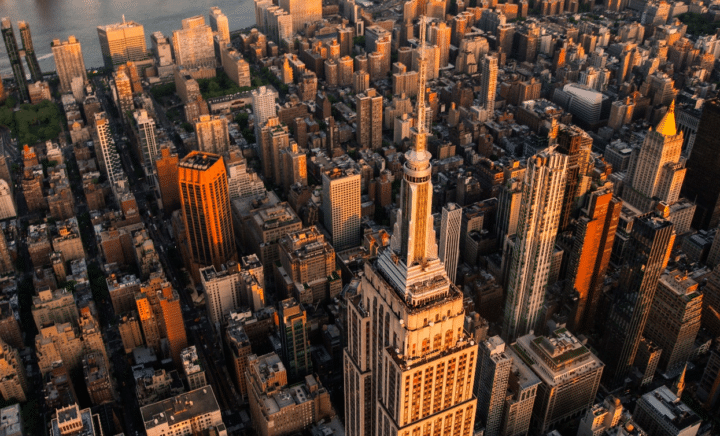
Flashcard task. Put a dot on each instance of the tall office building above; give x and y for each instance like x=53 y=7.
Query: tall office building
x=409 y=364
x=15 y=61
x=577 y=145
x=193 y=44
x=648 y=252
x=449 y=249
x=166 y=167
x=674 y=320
x=488 y=77
x=657 y=172
x=123 y=93
x=302 y=12
x=212 y=134
x=521 y=394
x=274 y=137
x=222 y=287
x=590 y=255
x=294 y=335
x=192 y=369
x=69 y=62
x=173 y=320
x=147 y=142
x=219 y=24
x=122 y=42
x=439 y=34
x=341 y=206
x=13 y=381
x=493 y=373
x=662 y=413
x=543 y=189
x=105 y=150
x=703 y=169
x=308 y=267
x=148 y=321
x=369 y=119
x=263 y=105
x=569 y=373
x=206 y=211
x=29 y=49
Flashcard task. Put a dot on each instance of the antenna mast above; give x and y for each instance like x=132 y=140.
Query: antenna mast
x=422 y=70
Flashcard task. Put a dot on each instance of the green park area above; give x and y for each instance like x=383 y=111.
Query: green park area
x=219 y=85
x=33 y=123
x=699 y=24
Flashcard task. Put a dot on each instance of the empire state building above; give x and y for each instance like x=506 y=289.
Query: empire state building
x=409 y=366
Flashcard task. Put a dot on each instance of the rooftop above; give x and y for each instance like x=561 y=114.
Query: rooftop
x=191 y=362
x=199 y=160
x=180 y=408
x=557 y=358
x=665 y=403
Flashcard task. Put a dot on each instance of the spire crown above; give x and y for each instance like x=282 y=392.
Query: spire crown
x=667 y=126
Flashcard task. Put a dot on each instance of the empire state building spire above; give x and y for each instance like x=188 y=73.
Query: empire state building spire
x=420 y=134
x=413 y=257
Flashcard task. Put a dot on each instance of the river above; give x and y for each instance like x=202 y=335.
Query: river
x=51 y=19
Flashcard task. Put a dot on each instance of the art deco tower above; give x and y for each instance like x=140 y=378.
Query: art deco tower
x=409 y=364
x=658 y=171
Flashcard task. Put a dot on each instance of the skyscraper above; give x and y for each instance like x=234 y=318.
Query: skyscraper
x=219 y=24
x=212 y=134
x=294 y=335
x=650 y=242
x=148 y=321
x=493 y=372
x=274 y=137
x=369 y=119
x=589 y=258
x=488 y=72
x=122 y=42
x=703 y=169
x=30 y=56
x=576 y=144
x=147 y=143
x=14 y=54
x=341 y=206
x=105 y=150
x=449 y=250
x=69 y=62
x=193 y=44
x=409 y=364
x=308 y=266
x=13 y=384
x=166 y=166
x=657 y=172
x=222 y=287
x=674 y=320
x=302 y=12
x=439 y=34
x=123 y=93
x=263 y=105
x=206 y=211
x=173 y=320
x=543 y=188
x=569 y=373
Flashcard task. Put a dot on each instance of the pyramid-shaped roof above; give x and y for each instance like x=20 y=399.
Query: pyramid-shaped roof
x=667 y=126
